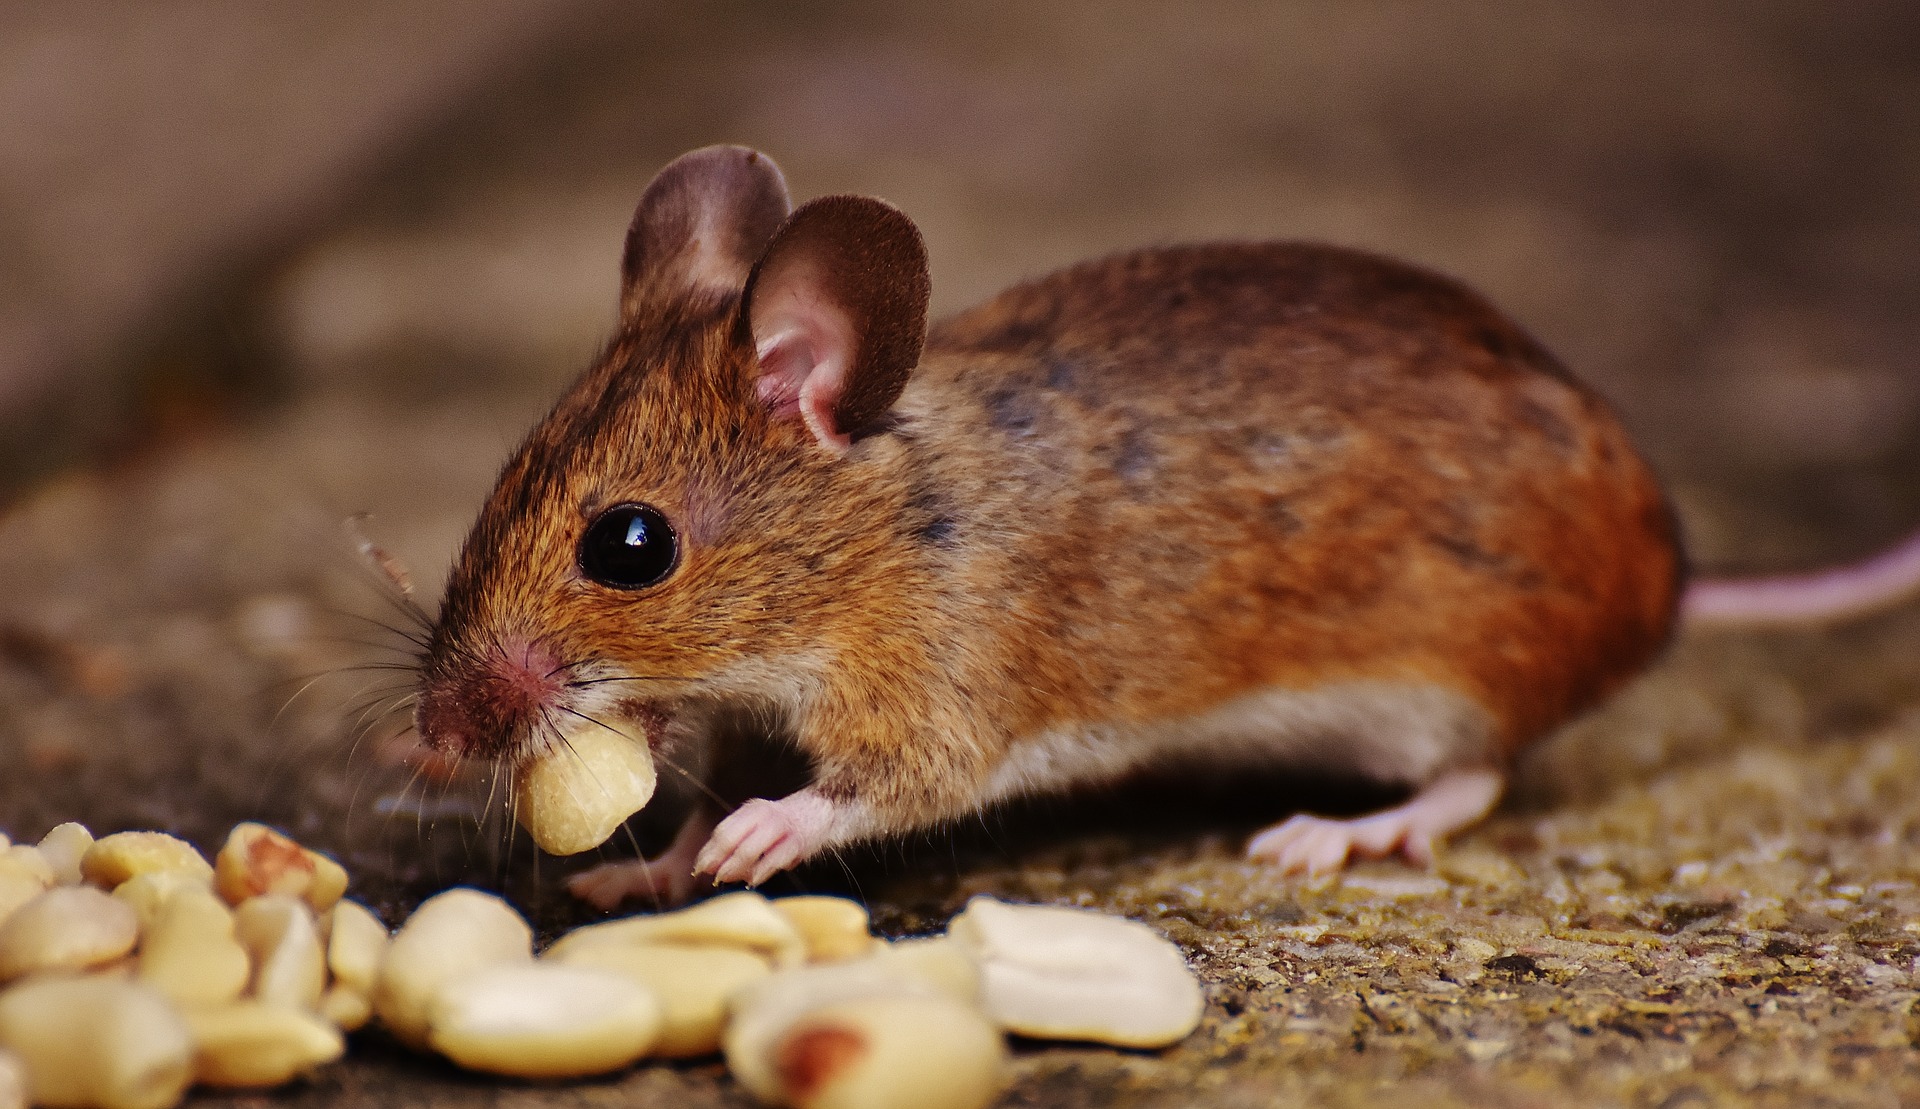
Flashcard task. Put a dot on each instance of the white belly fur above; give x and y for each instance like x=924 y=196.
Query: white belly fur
x=1391 y=732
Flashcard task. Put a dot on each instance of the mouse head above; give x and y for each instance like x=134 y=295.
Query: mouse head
x=667 y=529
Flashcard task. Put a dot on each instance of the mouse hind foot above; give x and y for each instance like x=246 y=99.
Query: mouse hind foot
x=667 y=879
x=1315 y=845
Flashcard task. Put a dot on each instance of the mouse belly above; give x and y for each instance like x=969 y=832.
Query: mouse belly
x=1393 y=732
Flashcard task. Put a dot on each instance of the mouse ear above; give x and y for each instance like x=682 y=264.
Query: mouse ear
x=700 y=224
x=838 y=310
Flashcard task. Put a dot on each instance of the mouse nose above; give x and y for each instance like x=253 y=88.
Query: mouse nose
x=486 y=704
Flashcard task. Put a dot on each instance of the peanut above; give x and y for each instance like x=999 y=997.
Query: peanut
x=743 y=919
x=95 y=1043
x=543 y=1020
x=256 y=860
x=693 y=984
x=930 y=1052
x=29 y=862
x=356 y=941
x=346 y=1008
x=64 y=846
x=289 y=967
x=834 y=928
x=65 y=928
x=935 y=960
x=189 y=953
x=252 y=1044
x=762 y=1012
x=24 y=875
x=113 y=859
x=1070 y=974
x=450 y=935
x=574 y=796
x=147 y=893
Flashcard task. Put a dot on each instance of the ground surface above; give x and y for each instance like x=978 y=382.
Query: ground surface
x=1703 y=894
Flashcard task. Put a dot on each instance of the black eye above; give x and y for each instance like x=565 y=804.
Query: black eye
x=630 y=546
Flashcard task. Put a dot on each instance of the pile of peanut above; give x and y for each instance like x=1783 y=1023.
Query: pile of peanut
x=131 y=969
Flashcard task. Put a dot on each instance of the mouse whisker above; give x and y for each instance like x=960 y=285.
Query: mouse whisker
x=581 y=683
x=646 y=864
x=417 y=638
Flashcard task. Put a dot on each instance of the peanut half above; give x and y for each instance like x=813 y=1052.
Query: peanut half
x=450 y=935
x=356 y=941
x=693 y=983
x=346 y=1008
x=29 y=862
x=543 y=1020
x=743 y=919
x=189 y=953
x=834 y=928
x=930 y=1052
x=593 y=778
x=66 y=928
x=935 y=960
x=1071 y=974
x=289 y=966
x=113 y=859
x=97 y=1043
x=64 y=846
x=256 y=860
x=147 y=893
x=252 y=1044
x=23 y=877
x=762 y=1012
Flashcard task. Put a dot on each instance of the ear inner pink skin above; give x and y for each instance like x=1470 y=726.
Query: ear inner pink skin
x=805 y=345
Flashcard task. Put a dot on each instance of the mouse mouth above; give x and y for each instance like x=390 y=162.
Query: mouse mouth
x=489 y=704
x=514 y=702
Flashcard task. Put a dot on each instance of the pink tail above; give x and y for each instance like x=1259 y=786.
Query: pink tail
x=1885 y=579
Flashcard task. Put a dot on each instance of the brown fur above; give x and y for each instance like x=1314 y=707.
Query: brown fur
x=1127 y=492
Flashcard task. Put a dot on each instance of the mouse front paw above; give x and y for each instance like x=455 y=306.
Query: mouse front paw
x=762 y=838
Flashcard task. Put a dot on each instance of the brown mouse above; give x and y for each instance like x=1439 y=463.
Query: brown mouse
x=1258 y=504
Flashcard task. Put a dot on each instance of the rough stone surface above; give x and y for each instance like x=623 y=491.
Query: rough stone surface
x=1703 y=894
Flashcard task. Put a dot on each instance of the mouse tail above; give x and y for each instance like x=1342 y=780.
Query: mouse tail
x=1838 y=593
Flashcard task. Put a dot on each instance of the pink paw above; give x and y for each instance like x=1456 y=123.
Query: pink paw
x=1319 y=845
x=762 y=838
x=664 y=880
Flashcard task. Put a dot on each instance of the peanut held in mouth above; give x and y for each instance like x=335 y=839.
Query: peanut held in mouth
x=584 y=786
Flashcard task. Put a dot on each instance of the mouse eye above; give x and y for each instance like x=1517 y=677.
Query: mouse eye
x=629 y=546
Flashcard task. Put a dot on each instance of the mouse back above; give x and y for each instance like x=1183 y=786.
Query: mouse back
x=1218 y=470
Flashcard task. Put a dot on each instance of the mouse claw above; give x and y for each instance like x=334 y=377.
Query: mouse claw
x=762 y=838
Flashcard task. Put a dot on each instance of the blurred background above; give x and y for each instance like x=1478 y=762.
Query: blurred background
x=266 y=266
x=213 y=212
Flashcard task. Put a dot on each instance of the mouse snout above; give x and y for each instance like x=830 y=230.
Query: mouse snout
x=487 y=704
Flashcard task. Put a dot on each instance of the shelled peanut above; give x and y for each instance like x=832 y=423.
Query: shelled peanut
x=128 y=976
x=247 y=971
x=810 y=1009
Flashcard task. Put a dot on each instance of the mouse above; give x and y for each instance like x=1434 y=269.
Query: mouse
x=1247 y=505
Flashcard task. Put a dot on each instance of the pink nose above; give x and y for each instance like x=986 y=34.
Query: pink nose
x=486 y=706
